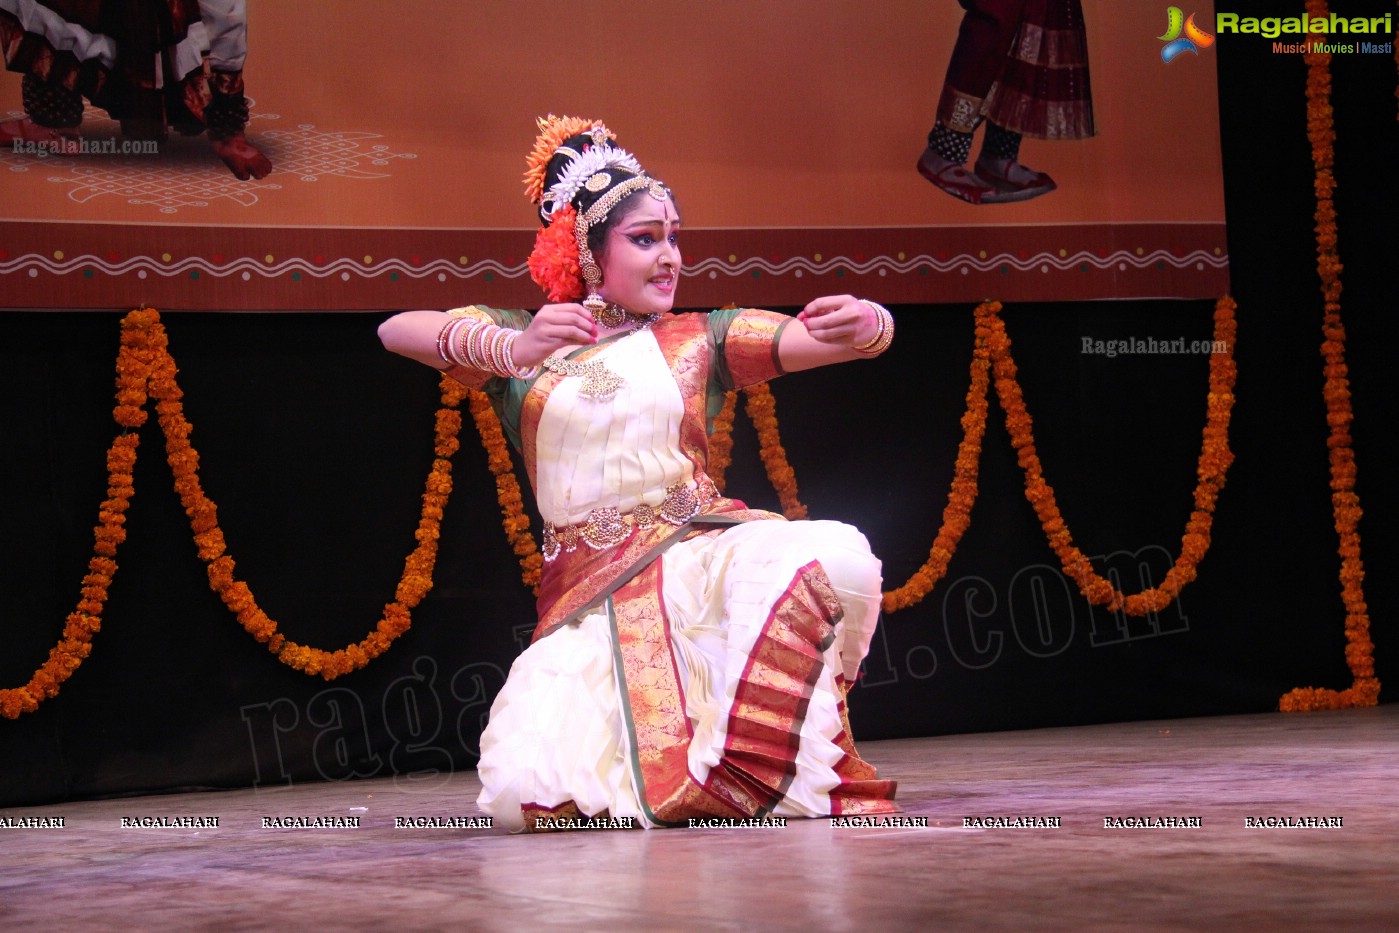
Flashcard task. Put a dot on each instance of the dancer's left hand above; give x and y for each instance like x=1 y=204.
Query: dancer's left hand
x=842 y=320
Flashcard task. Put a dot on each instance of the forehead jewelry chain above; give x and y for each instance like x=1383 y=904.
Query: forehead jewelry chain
x=599 y=382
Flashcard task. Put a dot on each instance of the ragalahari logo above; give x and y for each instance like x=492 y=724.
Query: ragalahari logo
x=1194 y=37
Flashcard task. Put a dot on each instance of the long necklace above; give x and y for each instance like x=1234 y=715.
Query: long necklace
x=599 y=382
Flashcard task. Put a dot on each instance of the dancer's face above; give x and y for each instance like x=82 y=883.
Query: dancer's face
x=641 y=257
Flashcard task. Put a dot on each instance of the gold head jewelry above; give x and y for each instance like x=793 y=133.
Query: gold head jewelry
x=596 y=214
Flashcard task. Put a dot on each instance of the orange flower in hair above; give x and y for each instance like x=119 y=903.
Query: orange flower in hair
x=554 y=262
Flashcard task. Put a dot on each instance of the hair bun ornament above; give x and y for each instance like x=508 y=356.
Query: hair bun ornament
x=552 y=133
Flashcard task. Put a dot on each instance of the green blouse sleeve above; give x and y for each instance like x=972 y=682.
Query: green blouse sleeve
x=744 y=350
x=507 y=395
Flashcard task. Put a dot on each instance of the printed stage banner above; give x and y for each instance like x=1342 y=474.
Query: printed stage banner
x=382 y=148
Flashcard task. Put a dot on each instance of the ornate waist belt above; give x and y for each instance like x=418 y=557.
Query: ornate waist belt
x=606 y=526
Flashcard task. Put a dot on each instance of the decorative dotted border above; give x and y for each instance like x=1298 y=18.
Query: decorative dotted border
x=415 y=267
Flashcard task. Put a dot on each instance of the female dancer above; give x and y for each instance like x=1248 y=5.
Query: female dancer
x=692 y=654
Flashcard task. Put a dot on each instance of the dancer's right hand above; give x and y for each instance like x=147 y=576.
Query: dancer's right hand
x=554 y=328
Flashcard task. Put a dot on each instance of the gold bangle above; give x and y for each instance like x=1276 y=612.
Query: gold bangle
x=888 y=335
x=879 y=326
x=883 y=336
x=497 y=356
x=482 y=345
x=508 y=353
x=471 y=345
x=448 y=340
x=442 y=340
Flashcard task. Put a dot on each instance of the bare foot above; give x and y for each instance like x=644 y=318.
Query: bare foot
x=242 y=158
x=27 y=131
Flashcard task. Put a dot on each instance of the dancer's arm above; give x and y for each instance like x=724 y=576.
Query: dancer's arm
x=827 y=331
x=414 y=334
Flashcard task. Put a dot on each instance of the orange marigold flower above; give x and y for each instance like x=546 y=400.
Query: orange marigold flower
x=553 y=264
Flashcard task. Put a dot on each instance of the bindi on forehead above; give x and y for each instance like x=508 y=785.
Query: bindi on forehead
x=670 y=219
x=654 y=214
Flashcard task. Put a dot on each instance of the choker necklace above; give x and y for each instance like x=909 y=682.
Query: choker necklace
x=610 y=316
x=599 y=382
x=607 y=314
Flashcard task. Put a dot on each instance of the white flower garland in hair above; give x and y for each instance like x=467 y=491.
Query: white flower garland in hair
x=582 y=166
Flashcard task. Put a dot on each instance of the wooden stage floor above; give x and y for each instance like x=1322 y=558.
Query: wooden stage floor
x=1271 y=770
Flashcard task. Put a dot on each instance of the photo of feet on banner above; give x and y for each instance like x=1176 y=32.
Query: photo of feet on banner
x=177 y=152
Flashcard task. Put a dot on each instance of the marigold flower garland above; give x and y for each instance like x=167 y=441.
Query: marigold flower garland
x=133 y=370
x=1360 y=650
x=956 y=515
x=146 y=370
x=1214 y=461
x=762 y=411
x=721 y=436
x=414 y=584
x=721 y=441
x=512 y=505
x=992 y=353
